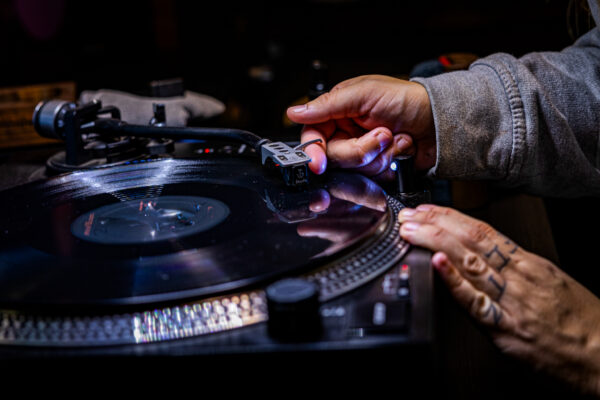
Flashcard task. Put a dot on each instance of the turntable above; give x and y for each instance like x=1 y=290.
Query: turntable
x=235 y=250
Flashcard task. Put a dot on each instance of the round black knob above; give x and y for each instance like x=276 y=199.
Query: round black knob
x=404 y=167
x=293 y=306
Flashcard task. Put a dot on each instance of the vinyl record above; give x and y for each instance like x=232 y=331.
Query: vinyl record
x=172 y=229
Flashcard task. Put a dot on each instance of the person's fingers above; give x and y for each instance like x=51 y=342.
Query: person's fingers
x=316 y=151
x=471 y=265
x=470 y=231
x=358 y=152
x=473 y=234
x=343 y=102
x=479 y=304
x=387 y=174
x=401 y=144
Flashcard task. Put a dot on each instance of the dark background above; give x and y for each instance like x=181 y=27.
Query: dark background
x=212 y=45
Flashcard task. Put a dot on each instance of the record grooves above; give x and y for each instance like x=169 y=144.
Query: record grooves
x=178 y=248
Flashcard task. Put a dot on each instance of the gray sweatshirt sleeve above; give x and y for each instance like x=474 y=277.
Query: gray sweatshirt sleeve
x=532 y=123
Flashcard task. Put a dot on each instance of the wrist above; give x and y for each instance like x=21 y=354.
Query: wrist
x=424 y=122
x=417 y=114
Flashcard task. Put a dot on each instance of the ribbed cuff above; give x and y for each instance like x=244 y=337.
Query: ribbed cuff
x=473 y=124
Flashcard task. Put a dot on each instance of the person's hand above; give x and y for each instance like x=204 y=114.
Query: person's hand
x=532 y=308
x=363 y=122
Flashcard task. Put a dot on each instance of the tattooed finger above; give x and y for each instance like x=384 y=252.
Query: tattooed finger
x=479 y=304
x=471 y=265
x=472 y=234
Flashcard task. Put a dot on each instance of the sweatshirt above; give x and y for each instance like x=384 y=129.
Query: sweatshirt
x=531 y=123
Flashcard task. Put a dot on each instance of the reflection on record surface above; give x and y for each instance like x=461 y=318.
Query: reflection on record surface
x=152 y=219
x=172 y=229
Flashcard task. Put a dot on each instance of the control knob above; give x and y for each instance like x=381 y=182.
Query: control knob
x=293 y=306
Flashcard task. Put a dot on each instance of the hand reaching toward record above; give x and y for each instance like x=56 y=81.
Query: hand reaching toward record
x=363 y=122
x=532 y=309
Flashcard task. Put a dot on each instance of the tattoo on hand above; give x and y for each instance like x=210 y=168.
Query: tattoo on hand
x=514 y=249
x=496 y=314
x=509 y=242
x=498 y=286
x=505 y=260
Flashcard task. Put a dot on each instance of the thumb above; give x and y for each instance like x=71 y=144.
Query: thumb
x=339 y=103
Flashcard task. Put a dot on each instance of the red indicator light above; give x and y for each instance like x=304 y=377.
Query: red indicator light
x=207 y=150
x=404 y=267
x=445 y=61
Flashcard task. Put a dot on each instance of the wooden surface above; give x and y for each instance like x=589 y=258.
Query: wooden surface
x=16 y=111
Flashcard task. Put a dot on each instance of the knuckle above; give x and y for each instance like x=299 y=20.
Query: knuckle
x=487 y=229
x=337 y=87
x=479 y=305
x=527 y=329
x=478 y=232
x=548 y=268
x=360 y=156
x=436 y=233
x=473 y=264
x=444 y=210
x=369 y=79
x=430 y=216
x=455 y=280
x=326 y=98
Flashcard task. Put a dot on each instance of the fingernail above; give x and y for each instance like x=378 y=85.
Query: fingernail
x=425 y=207
x=410 y=226
x=384 y=138
x=382 y=135
x=402 y=144
x=299 y=109
x=407 y=212
x=439 y=262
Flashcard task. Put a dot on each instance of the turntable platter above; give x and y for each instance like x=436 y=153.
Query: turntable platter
x=169 y=230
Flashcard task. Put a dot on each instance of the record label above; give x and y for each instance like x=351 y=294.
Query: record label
x=150 y=220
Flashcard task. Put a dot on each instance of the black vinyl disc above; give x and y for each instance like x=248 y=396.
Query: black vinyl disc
x=171 y=229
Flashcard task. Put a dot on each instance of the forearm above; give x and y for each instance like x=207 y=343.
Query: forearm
x=531 y=122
